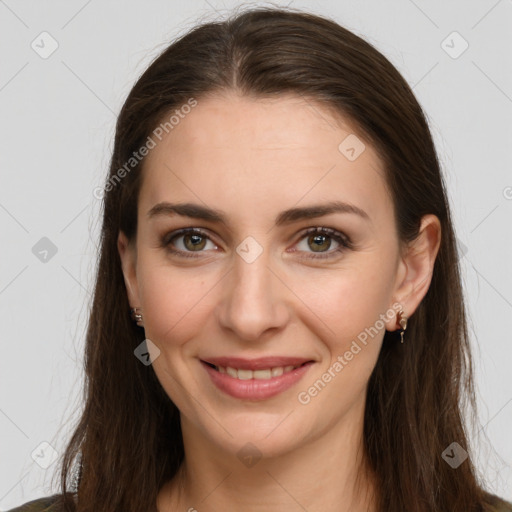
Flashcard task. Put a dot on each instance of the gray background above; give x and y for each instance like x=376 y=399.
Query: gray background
x=57 y=124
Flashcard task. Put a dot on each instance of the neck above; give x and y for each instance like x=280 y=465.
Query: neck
x=328 y=473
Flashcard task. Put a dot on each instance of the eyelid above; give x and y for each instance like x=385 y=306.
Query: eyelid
x=185 y=231
x=331 y=232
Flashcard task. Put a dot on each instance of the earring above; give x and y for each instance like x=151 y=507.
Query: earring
x=402 y=320
x=136 y=314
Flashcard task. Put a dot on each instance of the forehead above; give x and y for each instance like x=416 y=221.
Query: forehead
x=271 y=151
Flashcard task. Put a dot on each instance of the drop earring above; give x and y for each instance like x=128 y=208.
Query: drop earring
x=402 y=321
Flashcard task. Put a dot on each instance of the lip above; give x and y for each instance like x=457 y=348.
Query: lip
x=255 y=364
x=256 y=389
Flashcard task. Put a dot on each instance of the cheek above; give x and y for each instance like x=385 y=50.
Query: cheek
x=349 y=302
x=175 y=303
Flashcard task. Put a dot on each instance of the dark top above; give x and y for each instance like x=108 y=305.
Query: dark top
x=48 y=505
x=40 y=505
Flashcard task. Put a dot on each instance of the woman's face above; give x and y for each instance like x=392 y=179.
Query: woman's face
x=252 y=283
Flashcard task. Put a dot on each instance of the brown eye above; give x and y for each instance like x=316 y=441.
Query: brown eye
x=320 y=240
x=194 y=242
x=319 y=243
x=186 y=242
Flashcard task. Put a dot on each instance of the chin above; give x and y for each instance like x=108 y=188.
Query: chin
x=262 y=435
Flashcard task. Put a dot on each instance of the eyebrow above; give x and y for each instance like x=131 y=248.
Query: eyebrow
x=197 y=211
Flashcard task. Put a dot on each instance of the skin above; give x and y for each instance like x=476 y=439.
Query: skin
x=252 y=159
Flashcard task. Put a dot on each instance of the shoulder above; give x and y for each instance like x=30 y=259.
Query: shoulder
x=496 y=504
x=51 y=504
x=47 y=504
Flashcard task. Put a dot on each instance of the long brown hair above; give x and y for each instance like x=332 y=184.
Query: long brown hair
x=129 y=436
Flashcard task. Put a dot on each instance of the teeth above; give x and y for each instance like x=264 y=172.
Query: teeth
x=232 y=372
x=265 y=374
x=262 y=374
x=244 y=374
x=276 y=372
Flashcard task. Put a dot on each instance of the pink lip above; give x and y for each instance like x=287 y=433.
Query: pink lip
x=256 y=389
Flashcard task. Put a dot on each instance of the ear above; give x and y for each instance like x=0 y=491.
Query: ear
x=128 y=255
x=416 y=266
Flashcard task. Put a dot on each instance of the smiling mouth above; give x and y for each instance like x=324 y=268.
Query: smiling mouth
x=260 y=374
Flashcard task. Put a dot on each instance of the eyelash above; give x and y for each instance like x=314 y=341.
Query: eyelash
x=343 y=241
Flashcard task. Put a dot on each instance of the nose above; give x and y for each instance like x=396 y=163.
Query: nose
x=253 y=301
